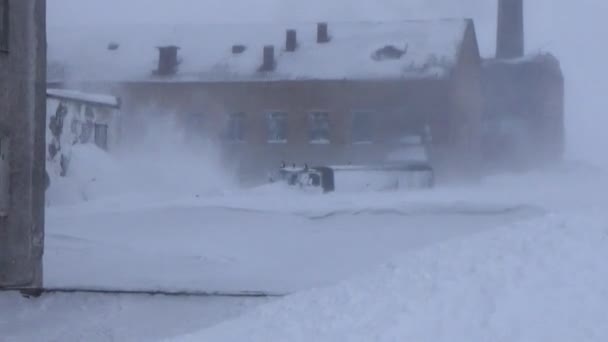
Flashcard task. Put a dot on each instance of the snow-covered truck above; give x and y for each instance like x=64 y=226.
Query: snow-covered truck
x=389 y=176
x=406 y=168
x=321 y=178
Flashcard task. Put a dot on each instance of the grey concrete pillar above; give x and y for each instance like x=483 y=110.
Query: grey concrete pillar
x=22 y=123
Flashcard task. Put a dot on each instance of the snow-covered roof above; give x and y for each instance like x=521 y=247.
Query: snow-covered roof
x=546 y=61
x=75 y=95
x=431 y=49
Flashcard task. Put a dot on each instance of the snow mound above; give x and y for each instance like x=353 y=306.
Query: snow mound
x=92 y=173
x=544 y=280
x=95 y=175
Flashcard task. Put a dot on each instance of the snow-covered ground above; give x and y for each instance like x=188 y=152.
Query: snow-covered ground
x=543 y=280
x=498 y=260
x=91 y=317
x=270 y=241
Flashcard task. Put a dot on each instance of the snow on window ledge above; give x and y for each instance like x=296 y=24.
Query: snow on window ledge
x=277 y=141
x=369 y=142
x=320 y=142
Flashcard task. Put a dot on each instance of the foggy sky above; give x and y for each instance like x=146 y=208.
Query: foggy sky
x=572 y=29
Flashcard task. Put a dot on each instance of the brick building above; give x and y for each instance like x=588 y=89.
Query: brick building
x=22 y=145
x=316 y=94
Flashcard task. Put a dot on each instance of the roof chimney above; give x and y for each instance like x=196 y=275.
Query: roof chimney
x=238 y=49
x=510 y=33
x=322 y=33
x=291 y=41
x=167 y=60
x=269 y=63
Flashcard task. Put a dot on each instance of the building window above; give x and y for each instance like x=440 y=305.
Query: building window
x=87 y=129
x=362 y=127
x=194 y=126
x=4 y=25
x=277 y=127
x=236 y=127
x=318 y=124
x=101 y=136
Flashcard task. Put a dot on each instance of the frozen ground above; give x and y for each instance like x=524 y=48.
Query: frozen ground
x=544 y=280
x=90 y=317
x=276 y=240
x=539 y=279
x=279 y=243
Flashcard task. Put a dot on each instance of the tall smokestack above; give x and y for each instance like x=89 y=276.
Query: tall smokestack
x=510 y=34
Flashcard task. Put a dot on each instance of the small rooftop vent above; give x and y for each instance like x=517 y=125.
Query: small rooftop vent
x=113 y=46
x=323 y=33
x=291 y=41
x=389 y=52
x=268 y=63
x=238 y=49
x=167 y=60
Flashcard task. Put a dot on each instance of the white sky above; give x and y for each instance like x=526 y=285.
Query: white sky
x=572 y=29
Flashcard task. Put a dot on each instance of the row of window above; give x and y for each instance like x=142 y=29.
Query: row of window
x=319 y=128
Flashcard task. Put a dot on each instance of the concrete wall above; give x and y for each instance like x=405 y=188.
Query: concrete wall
x=524 y=112
x=22 y=119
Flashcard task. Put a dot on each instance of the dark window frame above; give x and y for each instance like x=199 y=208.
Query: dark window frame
x=316 y=133
x=4 y=26
x=356 y=136
x=235 y=130
x=284 y=126
x=101 y=140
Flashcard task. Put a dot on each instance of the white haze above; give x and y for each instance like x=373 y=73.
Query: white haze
x=153 y=165
x=570 y=29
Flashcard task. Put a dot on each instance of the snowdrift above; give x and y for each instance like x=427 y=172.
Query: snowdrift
x=154 y=160
x=544 y=280
x=94 y=174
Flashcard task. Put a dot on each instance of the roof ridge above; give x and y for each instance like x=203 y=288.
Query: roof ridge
x=286 y=24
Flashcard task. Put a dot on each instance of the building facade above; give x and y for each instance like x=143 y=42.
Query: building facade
x=349 y=94
x=343 y=93
x=22 y=140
